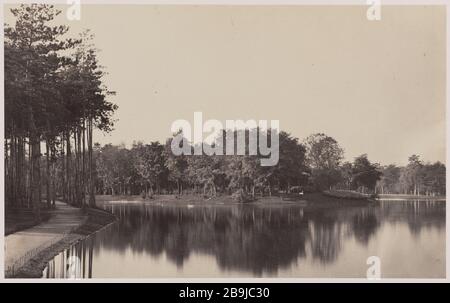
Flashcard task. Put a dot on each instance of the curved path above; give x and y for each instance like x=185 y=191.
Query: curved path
x=26 y=243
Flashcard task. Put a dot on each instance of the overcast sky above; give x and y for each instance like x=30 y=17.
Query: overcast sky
x=377 y=87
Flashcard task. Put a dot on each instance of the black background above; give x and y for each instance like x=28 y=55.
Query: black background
x=279 y=292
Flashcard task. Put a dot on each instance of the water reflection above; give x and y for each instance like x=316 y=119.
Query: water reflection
x=255 y=240
x=75 y=262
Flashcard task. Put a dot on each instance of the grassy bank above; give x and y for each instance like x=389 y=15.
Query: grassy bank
x=330 y=199
x=32 y=268
x=347 y=195
x=17 y=219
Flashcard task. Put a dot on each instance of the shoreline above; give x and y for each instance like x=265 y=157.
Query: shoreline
x=97 y=219
x=21 y=218
x=349 y=195
x=356 y=196
x=316 y=198
x=308 y=199
x=403 y=197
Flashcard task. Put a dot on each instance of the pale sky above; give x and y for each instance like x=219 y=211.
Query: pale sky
x=377 y=87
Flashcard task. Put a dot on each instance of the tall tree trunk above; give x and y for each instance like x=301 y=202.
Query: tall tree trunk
x=29 y=176
x=10 y=180
x=35 y=167
x=91 y=165
x=63 y=170
x=83 y=170
x=76 y=141
x=68 y=169
x=8 y=176
x=20 y=170
x=48 y=178
x=53 y=173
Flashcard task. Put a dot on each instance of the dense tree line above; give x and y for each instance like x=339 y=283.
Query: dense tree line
x=153 y=168
x=54 y=98
x=325 y=157
x=314 y=164
x=417 y=178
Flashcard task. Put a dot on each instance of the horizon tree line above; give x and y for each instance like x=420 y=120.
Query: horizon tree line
x=316 y=164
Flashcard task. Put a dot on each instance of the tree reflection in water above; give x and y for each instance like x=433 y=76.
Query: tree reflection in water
x=253 y=238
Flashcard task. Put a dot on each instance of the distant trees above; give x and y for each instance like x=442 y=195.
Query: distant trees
x=177 y=167
x=416 y=178
x=54 y=97
x=153 y=168
x=433 y=179
x=149 y=162
x=113 y=171
x=389 y=181
x=324 y=156
x=365 y=174
x=292 y=168
x=315 y=165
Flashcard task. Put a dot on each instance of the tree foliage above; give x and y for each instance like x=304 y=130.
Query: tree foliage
x=54 y=96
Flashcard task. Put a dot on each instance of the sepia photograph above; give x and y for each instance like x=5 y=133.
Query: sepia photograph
x=153 y=141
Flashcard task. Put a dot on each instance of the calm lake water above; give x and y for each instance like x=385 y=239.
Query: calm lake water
x=288 y=240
